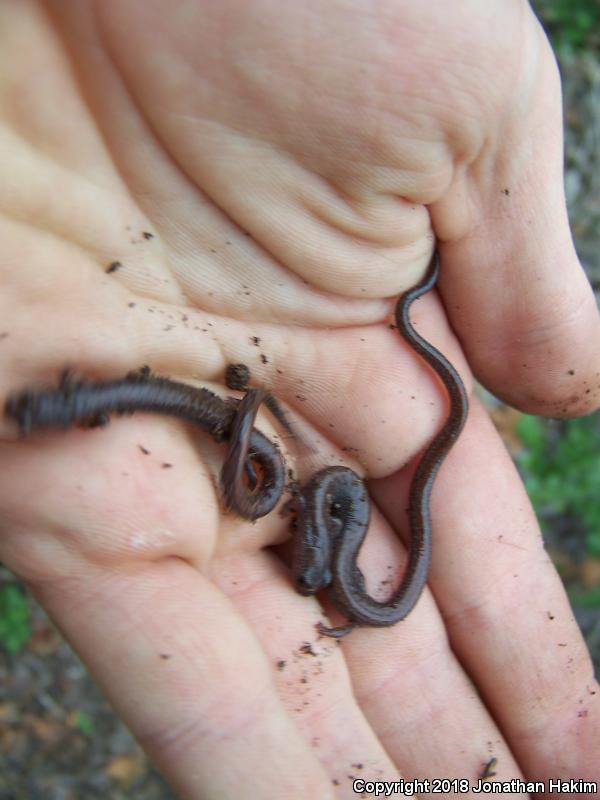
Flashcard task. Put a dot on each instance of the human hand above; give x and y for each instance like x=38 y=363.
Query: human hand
x=292 y=164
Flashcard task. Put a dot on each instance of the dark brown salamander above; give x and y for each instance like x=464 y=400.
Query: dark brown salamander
x=90 y=403
x=333 y=508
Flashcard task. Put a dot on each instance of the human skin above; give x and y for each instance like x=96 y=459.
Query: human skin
x=294 y=163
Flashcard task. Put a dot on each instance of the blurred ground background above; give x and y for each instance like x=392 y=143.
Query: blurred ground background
x=59 y=740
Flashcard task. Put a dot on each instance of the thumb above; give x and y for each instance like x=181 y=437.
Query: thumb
x=512 y=284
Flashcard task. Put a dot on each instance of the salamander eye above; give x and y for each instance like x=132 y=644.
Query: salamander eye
x=337 y=510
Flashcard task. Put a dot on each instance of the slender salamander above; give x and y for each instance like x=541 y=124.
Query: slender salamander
x=333 y=508
x=90 y=403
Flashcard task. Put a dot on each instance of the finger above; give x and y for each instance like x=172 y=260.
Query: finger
x=507 y=616
x=410 y=686
x=310 y=671
x=188 y=678
x=512 y=284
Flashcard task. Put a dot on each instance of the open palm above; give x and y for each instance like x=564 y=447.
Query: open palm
x=204 y=184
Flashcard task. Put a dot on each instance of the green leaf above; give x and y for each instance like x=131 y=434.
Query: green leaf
x=531 y=432
x=84 y=723
x=15 y=630
x=589 y=599
x=561 y=470
x=571 y=24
